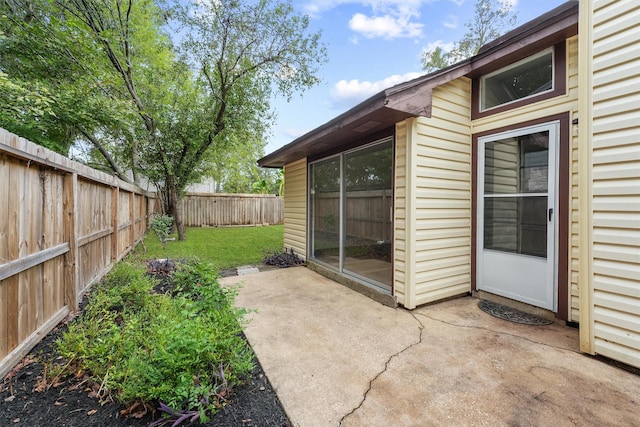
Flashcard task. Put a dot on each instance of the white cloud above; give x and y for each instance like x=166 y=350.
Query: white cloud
x=347 y=93
x=313 y=7
x=386 y=26
x=446 y=47
x=384 y=18
x=509 y=4
x=451 y=22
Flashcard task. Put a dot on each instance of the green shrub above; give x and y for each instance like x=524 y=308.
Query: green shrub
x=180 y=350
x=161 y=225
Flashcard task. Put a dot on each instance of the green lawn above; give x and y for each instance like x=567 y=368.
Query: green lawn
x=223 y=247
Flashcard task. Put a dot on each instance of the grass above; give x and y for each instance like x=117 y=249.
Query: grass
x=222 y=247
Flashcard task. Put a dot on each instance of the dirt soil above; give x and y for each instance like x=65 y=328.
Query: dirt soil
x=25 y=400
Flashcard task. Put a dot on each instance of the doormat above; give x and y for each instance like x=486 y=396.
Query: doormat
x=511 y=314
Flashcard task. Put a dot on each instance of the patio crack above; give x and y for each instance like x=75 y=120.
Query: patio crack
x=386 y=366
x=483 y=328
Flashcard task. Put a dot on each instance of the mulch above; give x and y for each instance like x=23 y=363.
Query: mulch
x=26 y=400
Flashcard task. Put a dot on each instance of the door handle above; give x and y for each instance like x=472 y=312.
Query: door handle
x=550 y=213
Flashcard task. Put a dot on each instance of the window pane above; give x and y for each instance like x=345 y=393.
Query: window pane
x=325 y=206
x=501 y=167
x=527 y=78
x=534 y=163
x=533 y=226
x=368 y=202
x=516 y=225
x=517 y=165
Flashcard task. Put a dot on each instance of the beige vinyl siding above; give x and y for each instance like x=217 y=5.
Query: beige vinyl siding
x=615 y=180
x=295 y=206
x=558 y=105
x=574 y=181
x=400 y=234
x=438 y=200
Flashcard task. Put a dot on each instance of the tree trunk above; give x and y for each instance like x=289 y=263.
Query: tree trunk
x=176 y=211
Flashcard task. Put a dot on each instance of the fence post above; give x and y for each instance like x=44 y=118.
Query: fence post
x=70 y=227
x=132 y=220
x=115 y=199
x=148 y=211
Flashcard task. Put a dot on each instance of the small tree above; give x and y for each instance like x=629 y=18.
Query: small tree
x=161 y=225
x=492 y=18
x=108 y=73
x=240 y=52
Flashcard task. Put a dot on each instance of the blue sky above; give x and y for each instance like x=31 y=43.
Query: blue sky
x=372 y=45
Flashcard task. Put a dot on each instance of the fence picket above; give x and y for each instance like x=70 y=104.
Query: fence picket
x=220 y=209
x=63 y=225
x=58 y=227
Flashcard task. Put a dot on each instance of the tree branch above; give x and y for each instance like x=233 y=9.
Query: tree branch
x=112 y=163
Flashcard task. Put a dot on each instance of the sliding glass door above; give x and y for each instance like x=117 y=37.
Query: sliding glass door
x=368 y=204
x=351 y=213
x=325 y=210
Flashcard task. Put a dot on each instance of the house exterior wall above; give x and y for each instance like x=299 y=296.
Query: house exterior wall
x=610 y=202
x=402 y=186
x=567 y=103
x=433 y=200
x=574 y=181
x=295 y=207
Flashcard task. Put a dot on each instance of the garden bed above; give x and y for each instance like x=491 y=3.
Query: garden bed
x=70 y=403
x=27 y=399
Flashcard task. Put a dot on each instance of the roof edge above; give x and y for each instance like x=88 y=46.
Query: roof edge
x=543 y=20
x=334 y=123
x=386 y=98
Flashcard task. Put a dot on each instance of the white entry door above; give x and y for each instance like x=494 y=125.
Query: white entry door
x=516 y=214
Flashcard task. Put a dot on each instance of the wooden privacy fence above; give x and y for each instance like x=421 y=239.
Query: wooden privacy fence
x=368 y=213
x=62 y=226
x=217 y=209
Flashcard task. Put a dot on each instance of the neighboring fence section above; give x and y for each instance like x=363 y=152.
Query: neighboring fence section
x=368 y=214
x=62 y=226
x=217 y=209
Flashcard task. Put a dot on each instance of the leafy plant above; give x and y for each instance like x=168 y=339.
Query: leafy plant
x=182 y=350
x=286 y=258
x=161 y=225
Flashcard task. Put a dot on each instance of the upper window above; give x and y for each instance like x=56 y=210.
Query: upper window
x=527 y=78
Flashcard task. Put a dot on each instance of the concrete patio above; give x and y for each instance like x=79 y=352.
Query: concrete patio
x=336 y=357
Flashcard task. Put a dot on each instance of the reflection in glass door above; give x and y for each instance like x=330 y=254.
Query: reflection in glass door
x=325 y=211
x=368 y=204
x=351 y=206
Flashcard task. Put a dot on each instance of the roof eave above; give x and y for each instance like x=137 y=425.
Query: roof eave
x=300 y=144
x=409 y=99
